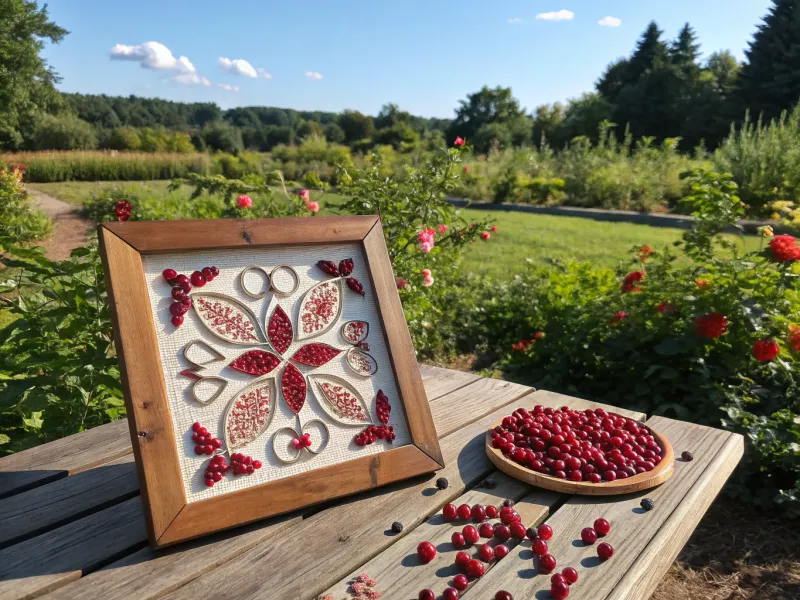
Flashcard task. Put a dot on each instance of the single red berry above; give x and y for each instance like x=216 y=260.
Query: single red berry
x=426 y=552
x=449 y=512
x=558 y=578
x=196 y=426
x=198 y=450
x=427 y=595
x=491 y=512
x=687 y=456
x=503 y=595
x=450 y=594
x=588 y=535
x=486 y=530
x=458 y=541
x=602 y=527
x=517 y=530
x=485 y=552
x=197 y=279
x=605 y=551
x=545 y=531
x=184 y=285
x=570 y=574
x=475 y=568
x=559 y=590
x=547 y=563
x=464 y=512
x=509 y=517
x=462 y=558
x=501 y=551
x=169 y=274
x=207 y=273
x=470 y=534
x=257 y=464
x=178 y=293
x=502 y=533
x=539 y=547
x=460 y=582
x=210 y=482
x=176 y=309
x=478 y=513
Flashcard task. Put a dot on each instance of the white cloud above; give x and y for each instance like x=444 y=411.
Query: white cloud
x=239 y=66
x=152 y=55
x=191 y=79
x=610 y=22
x=229 y=88
x=313 y=75
x=560 y=15
x=515 y=20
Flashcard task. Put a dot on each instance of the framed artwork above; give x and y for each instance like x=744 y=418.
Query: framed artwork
x=266 y=366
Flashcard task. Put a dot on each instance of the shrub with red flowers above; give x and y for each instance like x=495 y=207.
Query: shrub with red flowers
x=784 y=248
x=725 y=353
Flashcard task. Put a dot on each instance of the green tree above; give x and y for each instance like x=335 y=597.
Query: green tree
x=63 y=132
x=26 y=81
x=223 y=137
x=123 y=138
x=583 y=116
x=769 y=81
x=308 y=128
x=496 y=107
x=548 y=123
x=685 y=51
x=613 y=80
x=334 y=134
x=650 y=50
x=355 y=125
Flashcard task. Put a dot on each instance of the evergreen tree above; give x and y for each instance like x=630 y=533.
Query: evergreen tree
x=613 y=79
x=769 y=81
x=684 y=52
x=650 y=50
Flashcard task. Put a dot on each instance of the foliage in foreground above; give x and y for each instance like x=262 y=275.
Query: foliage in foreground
x=703 y=334
x=18 y=220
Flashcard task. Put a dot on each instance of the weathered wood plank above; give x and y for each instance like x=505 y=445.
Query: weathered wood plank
x=350 y=534
x=440 y=382
x=63 y=457
x=148 y=574
x=46 y=562
x=398 y=572
x=632 y=529
x=48 y=506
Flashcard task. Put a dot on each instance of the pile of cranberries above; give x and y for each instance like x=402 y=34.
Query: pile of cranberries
x=243 y=465
x=206 y=443
x=181 y=286
x=580 y=445
x=378 y=432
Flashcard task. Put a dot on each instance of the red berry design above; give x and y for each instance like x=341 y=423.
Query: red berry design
x=605 y=551
x=570 y=574
x=501 y=551
x=462 y=558
x=547 y=563
x=559 y=590
x=215 y=469
x=475 y=568
x=449 y=512
x=206 y=443
x=588 y=535
x=602 y=527
x=539 y=547
x=464 y=512
x=485 y=552
x=460 y=582
x=243 y=465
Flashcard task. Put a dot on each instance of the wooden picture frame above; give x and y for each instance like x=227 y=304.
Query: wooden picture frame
x=170 y=517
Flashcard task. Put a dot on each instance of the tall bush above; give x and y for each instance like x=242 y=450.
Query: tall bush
x=19 y=222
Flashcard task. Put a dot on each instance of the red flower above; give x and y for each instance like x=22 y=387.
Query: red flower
x=701 y=283
x=617 y=318
x=537 y=335
x=485 y=235
x=666 y=308
x=630 y=280
x=784 y=248
x=494 y=228
x=794 y=338
x=466 y=167
x=521 y=345
x=645 y=252
x=400 y=282
x=765 y=350
x=458 y=143
x=711 y=326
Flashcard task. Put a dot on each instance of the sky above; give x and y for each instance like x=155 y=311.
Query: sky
x=423 y=55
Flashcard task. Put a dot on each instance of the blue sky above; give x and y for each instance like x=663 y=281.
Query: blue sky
x=423 y=55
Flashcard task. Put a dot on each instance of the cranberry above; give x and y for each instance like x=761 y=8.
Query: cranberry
x=178 y=293
x=470 y=534
x=545 y=531
x=177 y=321
x=197 y=279
x=427 y=595
x=517 y=530
x=559 y=590
x=478 y=513
x=539 y=547
x=509 y=517
x=501 y=551
x=426 y=552
x=588 y=535
x=485 y=552
x=547 y=563
x=214 y=271
x=450 y=594
x=449 y=512
x=502 y=533
x=462 y=558
x=458 y=541
x=460 y=582
x=601 y=526
x=486 y=530
x=464 y=512
x=475 y=568
x=169 y=274
x=605 y=551
x=558 y=578
x=570 y=574
x=207 y=273
x=176 y=309
x=531 y=533
x=687 y=456
x=503 y=595
x=491 y=512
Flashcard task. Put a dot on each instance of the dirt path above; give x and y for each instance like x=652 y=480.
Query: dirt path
x=69 y=228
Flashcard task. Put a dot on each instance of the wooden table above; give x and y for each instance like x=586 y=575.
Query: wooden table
x=71 y=522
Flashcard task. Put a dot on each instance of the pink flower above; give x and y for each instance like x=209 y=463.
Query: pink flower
x=400 y=282
x=425 y=272
x=466 y=168
x=427 y=281
x=485 y=235
x=305 y=195
x=426 y=235
x=458 y=142
x=441 y=228
x=313 y=206
x=425 y=247
x=494 y=228
x=244 y=201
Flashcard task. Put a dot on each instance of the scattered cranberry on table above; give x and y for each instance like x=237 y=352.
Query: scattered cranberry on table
x=491 y=512
x=470 y=534
x=605 y=551
x=501 y=532
x=503 y=595
x=426 y=552
x=450 y=594
x=558 y=578
x=462 y=558
x=517 y=530
x=508 y=502
x=464 y=512
x=501 y=551
x=559 y=590
x=458 y=541
x=570 y=574
x=602 y=527
x=475 y=568
x=478 y=513
x=545 y=531
x=485 y=553
x=486 y=530
x=588 y=535
x=460 y=582
x=427 y=595
x=449 y=512
x=687 y=456
x=547 y=563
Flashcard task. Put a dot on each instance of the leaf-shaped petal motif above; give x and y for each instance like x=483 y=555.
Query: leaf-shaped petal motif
x=320 y=308
x=255 y=362
x=361 y=362
x=249 y=413
x=293 y=388
x=315 y=354
x=279 y=330
x=227 y=318
x=342 y=403
x=354 y=332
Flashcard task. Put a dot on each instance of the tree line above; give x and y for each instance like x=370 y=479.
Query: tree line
x=661 y=90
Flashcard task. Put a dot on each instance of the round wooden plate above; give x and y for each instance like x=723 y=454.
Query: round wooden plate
x=639 y=482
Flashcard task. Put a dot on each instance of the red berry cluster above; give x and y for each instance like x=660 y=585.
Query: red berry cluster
x=122 y=210
x=590 y=445
x=304 y=441
x=215 y=470
x=243 y=465
x=378 y=432
x=206 y=443
x=181 y=286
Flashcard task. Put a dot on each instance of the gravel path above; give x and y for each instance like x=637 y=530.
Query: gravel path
x=70 y=230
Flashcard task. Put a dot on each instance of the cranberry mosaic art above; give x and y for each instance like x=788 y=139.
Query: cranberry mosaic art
x=280 y=369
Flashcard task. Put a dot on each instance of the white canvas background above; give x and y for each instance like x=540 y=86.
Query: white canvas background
x=185 y=410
